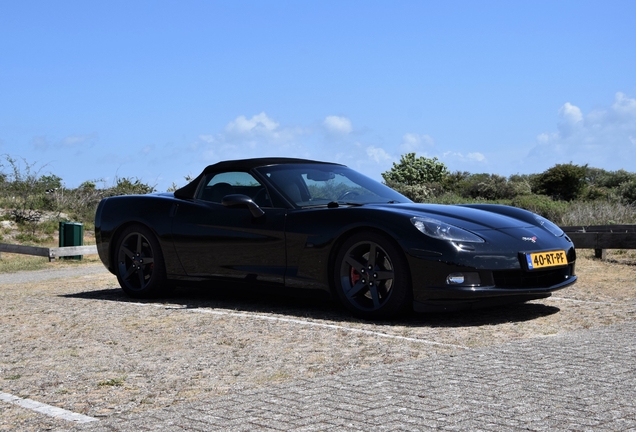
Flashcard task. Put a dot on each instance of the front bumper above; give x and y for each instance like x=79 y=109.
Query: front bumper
x=433 y=290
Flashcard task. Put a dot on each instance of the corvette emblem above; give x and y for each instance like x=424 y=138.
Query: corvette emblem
x=532 y=239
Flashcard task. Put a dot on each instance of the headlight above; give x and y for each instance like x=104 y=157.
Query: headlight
x=443 y=231
x=550 y=226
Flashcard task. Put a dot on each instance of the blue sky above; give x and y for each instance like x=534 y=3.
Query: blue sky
x=158 y=90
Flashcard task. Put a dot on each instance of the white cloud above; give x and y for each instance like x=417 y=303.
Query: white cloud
x=338 y=125
x=260 y=123
x=468 y=157
x=603 y=138
x=475 y=156
x=413 y=143
x=76 y=142
x=624 y=108
x=244 y=137
x=79 y=140
x=379 y=155
x=571 y=119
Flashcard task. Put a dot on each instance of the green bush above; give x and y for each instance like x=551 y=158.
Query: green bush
x=612 y=179
x=598 y=193
x=416 y=193
x=542 y=205
x=454 y=182
x=129 y=186
x=562 y=182
x=489 y=187
x=414 y=171
x=627 y=192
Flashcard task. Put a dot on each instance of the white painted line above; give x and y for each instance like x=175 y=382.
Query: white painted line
x=46 y=409
x=302 y=322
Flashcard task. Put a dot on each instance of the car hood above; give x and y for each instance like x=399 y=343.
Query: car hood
x=472 y=219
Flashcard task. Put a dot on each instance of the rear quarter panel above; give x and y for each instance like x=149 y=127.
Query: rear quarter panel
x=154 y=211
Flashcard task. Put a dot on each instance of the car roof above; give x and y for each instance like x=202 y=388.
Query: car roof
x=259 y=162
x=189 y=190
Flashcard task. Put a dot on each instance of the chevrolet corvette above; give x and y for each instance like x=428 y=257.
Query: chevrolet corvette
x=309 y=225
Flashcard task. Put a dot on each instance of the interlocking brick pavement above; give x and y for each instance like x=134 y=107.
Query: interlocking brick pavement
x=578 y=381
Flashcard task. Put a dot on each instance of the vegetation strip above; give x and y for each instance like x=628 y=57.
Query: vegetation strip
x=46 y=409
x=307 y=323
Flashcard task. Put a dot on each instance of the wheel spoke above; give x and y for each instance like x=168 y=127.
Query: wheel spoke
x=142 y=281
x=139 y=244
x=127 y=251
x=357 y=265
x=355 y=290
x=129 y=272
x=375 y=296
x=384 y=275
x=372 y=255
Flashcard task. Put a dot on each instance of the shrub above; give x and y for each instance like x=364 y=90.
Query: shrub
x=489 y=187
x=520 y=184
x=542 y=205
x=627 y=192
x=613 y=179
x=129 y=186
x=598 y=193
x=416 y=193
x=415 y=171
x=455 y=181
x=561 y=182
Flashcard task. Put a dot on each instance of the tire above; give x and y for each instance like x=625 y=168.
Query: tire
x=140 y=268
x=371 y=277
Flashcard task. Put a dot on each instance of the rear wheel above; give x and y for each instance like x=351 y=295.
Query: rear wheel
x=140 y=269
x=371 y=277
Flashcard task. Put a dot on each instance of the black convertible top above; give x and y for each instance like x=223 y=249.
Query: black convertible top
x=188 y=191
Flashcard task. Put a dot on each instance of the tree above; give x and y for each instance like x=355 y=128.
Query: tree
x=413 y=171
x=563 y=182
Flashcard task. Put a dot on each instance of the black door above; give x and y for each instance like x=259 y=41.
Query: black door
x=215 y=241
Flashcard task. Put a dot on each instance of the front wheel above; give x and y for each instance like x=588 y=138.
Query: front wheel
x=140 y=269
x=372 y=277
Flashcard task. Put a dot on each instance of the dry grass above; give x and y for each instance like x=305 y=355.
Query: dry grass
x=78 y=344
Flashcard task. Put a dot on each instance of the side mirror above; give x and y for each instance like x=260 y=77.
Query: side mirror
x=239 y=200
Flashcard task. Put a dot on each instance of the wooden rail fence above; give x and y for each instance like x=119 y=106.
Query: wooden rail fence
x=602 y=237
x=50 y=253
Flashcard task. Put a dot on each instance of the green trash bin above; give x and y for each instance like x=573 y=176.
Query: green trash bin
x=71 y=234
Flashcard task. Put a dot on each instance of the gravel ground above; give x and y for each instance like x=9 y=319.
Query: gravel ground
x=69 y=338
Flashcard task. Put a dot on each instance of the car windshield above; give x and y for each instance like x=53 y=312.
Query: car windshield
x=308 y=185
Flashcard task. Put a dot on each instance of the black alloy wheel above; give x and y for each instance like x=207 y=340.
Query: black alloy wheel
x=140 y=266
x=371 y=277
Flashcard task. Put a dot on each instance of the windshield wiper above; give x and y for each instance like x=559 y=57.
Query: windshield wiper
x=334 y=204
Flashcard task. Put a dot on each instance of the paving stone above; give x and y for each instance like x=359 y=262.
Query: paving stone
x=580 y=381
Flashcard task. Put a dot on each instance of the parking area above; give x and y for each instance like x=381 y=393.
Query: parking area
x=69 y=339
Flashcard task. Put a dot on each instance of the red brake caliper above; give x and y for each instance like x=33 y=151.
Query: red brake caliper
x=354 y=276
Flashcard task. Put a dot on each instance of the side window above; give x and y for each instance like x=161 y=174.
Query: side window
x=218 y=185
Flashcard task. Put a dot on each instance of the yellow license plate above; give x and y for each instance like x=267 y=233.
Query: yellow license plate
x=541 y=260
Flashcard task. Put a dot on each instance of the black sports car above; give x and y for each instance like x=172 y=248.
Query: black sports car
x=313 y=225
